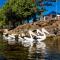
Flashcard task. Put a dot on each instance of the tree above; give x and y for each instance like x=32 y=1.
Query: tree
x=40 y=6
x=17 y=10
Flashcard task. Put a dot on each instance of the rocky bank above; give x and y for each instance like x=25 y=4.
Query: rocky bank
x=51 y=26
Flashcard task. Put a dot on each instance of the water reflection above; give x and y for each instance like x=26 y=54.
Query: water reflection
x=49 y=50
x=2 y=58
x=37 y=51
x=45 y=52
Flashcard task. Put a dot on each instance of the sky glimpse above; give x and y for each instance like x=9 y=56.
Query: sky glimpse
x=2 y=2
x=55 y=6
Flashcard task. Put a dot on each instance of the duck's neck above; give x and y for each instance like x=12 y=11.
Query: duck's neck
x=31 y=36
x=44 y=34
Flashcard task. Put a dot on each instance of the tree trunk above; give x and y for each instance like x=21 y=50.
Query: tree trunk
x=34 y=18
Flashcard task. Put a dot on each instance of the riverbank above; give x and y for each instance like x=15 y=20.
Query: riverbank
x=52 y=26
x=48 y=25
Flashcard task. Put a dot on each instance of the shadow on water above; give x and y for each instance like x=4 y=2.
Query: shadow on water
x=51 y=52
x=37 y=53
x=18 y=52
x=12 y=52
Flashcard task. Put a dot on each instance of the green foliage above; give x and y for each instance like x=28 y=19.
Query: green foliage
x=2 y=20
x=21 y=7
x=16 y=8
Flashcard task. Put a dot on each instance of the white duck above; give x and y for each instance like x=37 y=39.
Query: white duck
x=29 y=40
x=5 y=37
x=9 y=38
x=20 y=39
x=42 y=36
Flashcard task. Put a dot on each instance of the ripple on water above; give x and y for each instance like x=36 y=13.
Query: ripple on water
x=42 y=54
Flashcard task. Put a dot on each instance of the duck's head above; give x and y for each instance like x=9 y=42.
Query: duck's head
x=45 y=31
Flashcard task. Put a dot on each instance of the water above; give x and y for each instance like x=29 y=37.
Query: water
x=45 y=56
x=50 y=50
